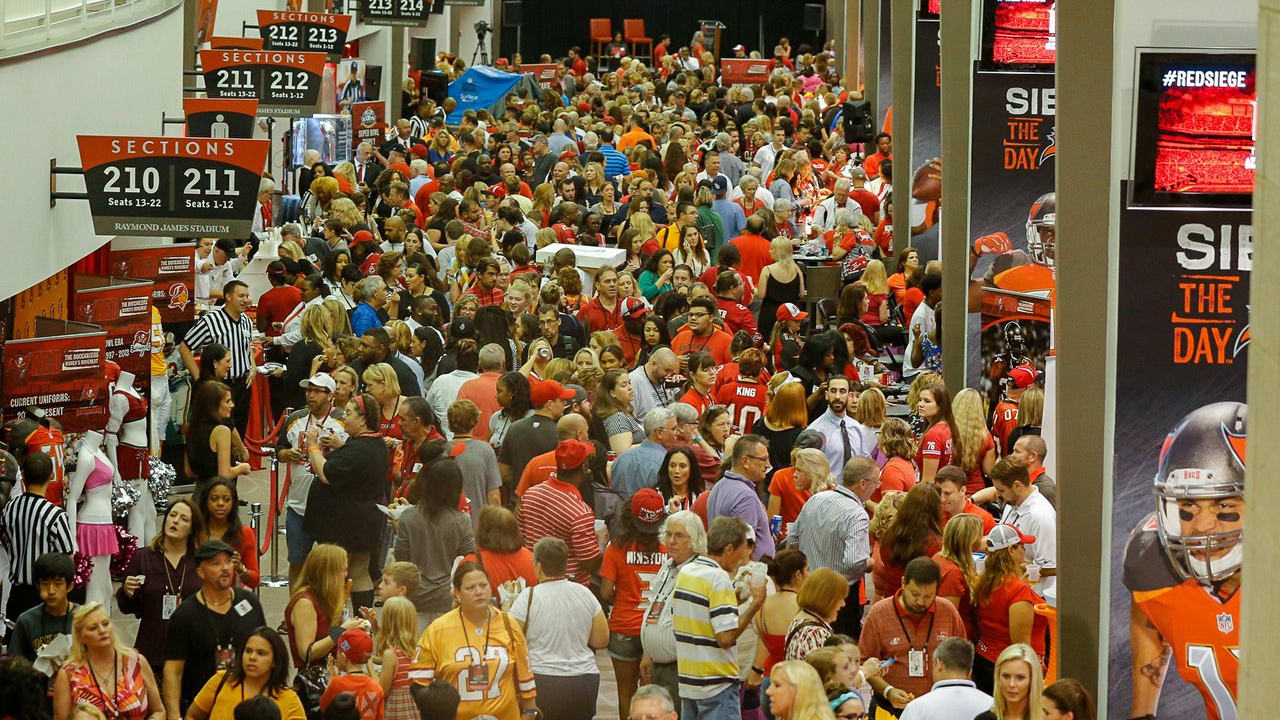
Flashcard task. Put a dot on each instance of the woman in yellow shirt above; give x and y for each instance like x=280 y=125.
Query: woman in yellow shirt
x=261 y=669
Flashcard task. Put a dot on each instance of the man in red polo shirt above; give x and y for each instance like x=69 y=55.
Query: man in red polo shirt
x=554 y=508
x=951 y=487
x=754 y=249
x=908 y=627
x=702 y=335
x=570 y=426
x=604 y=311
x=486 y=286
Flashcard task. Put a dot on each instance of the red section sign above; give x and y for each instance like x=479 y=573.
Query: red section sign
x=166 y=187
x=315 y=32
x=743 y=71
x=284 y=82
x=171 y=269
x=369 y=122
x=544 y=73
x=60 y=368
x=122 y=307
x=217 y=118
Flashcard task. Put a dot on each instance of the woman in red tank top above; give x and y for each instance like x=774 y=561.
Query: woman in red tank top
x=787 y=570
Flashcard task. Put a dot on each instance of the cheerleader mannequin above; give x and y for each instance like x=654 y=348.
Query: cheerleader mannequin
x=95 y=535
x=126 y=445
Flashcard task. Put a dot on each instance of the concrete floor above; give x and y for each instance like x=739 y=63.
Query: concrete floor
x=255 y=488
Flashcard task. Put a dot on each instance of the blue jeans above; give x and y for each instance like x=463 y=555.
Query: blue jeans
x=296 y=538
x=725 y=704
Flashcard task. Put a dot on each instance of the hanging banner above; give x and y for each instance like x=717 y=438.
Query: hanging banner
x=214 y=118
x=743 y=71
x=121 y=307
x=311 y=32
x=1012 y=220
x=165 y=187
x=171 y=269
x=284 y=83
x=369 y=122
x=410 y=13
x=1183 y=324
x=58 y=369
x=926 y=141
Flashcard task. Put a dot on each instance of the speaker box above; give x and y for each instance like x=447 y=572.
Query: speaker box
x=814 y=14
x=857 y=122
x=423 y=53
x=512 y=13
x=435 y=85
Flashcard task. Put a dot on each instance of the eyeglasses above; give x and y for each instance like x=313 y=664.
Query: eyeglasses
x=763 y=459
x=852 y=716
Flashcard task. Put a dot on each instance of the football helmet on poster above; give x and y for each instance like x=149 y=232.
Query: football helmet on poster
x=1203 y=458
x=1042 y=229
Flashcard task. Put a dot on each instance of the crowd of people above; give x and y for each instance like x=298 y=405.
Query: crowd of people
x=752 y=510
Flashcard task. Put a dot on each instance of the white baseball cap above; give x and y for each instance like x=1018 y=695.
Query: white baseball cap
x=1006 y=536
x=320 y=380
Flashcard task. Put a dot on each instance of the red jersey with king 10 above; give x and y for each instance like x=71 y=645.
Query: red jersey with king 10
x=746 y=402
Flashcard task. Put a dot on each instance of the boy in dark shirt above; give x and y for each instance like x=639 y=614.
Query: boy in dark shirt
x=40 y=625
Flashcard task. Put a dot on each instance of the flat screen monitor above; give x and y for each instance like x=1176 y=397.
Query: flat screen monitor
x=1019 y=35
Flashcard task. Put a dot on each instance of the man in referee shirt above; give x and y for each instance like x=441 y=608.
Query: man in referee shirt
x=30 y=527
x=231 y=327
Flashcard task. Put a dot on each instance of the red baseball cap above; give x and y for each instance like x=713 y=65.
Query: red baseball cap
x=790 y=311
x=571 y=454
x=1024 y=375
x=649 y=510
x=360 y=237
x=1006 y=536
x=419 y=149
x=356 y=645
x=634 y=308
x=543 y=392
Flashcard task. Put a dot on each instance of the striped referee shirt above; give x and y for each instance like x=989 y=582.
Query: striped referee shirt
x=30 y=527
x=833 y=531
x=217 y=326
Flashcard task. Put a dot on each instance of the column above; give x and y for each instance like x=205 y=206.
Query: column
x=903 y=18
x=1258 y=693
x=1084 y=260
x=870 y=30
x=956 y=92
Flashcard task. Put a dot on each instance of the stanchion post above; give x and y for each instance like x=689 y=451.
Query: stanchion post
x=275 y=579
x=255 y=524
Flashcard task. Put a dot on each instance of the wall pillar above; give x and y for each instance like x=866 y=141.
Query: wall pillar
x=903 y=34
x=870 y=30
x=957 y=53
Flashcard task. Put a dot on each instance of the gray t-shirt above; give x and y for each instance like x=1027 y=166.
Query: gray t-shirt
x=479 y=466
x=432 y=544
x=526 y=439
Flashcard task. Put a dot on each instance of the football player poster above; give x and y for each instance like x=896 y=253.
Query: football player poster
x=1178 y=483
x=925 y=205
x=1012 y=219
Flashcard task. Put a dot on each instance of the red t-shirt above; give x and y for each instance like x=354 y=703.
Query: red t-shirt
x=630 y=569
x=783 y=486
x=910 y=302
x=952 y=584
x=711 y=274
x=717 y=345
x=501 y=567
x=729 y=373
x=699 y=401
x=988 y=522
x=274 y=306
x=597 y=318
x=755 y=255
x=565 y=234
x=745 y=400
x=540 y=468
x=1003 y=420
x=867 y=200
x=897 y=474
x=872 y=315
x=487 y=297
x=993 y=619
x=974 y=481
x=367 y=692
x=935 y=445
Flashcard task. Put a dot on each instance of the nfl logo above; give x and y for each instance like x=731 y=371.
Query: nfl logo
x=1226 y=623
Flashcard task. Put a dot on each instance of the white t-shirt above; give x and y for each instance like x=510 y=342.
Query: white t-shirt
x=1036 y=516
x=558 y=625
x=927 y=322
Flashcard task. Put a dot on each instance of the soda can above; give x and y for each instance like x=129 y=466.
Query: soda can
x=775 y=524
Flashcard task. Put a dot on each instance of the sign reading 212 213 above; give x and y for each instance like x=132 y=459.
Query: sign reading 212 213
x=284 y=82
x=169 y=186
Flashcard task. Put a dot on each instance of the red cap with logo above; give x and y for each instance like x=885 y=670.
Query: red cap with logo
x=547 y=390
x=1024 y=375
x=571 y=454
x=790 y=311
x=649 y=510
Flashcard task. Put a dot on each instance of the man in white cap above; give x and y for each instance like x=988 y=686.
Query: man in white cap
x=291 y=448
x=739 y=51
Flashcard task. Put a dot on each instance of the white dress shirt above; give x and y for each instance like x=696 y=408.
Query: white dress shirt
x=1036 y=516
x=862 y=440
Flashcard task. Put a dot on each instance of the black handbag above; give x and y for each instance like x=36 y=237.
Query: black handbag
x=309 y=684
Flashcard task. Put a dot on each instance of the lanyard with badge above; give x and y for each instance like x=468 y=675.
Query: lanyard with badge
x=668 y=580
x=169 y=603
x=478 y=670
x=223 y=655
x=915 y=658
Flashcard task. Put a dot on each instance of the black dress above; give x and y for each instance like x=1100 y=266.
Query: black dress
x=776 y=295
x=344 y=510
x=204 y=461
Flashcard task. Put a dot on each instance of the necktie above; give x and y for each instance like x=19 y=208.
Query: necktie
x=844 y=439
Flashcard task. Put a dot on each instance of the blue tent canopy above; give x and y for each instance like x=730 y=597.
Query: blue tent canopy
x=484 y=88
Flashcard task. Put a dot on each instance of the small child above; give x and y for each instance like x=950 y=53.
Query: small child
x=396 y=644
x=354 y=649
x=399 y=579
x=54 y=574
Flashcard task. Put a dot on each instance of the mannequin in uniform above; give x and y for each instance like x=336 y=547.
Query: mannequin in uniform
x=161 y=401
x=127 y=448
x=94 y=532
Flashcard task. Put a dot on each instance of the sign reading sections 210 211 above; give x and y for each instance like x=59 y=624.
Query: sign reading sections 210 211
x=412 y=13
x=284 y=82
x=168 y=186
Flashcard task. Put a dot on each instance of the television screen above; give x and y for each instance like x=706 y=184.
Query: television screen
x=1019 y=35
x=1194 y=116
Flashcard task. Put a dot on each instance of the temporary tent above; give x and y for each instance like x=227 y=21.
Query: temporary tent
x=485 y=88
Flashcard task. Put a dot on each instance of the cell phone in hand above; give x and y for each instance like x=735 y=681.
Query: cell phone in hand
x=887 y=662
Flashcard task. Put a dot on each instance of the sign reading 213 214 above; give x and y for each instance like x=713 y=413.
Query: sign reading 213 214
x=395 y=12
x=171 y=186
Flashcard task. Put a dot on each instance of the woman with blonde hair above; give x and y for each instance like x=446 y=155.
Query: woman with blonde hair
x=1004 y=606
x=876 y=281
x=316 y=603
x=347 y=171
x=961 y=538
x=100 y=660
x=323 y=191
x=346 y=212
x=645 y=230
x=1030 y=415
x=898 y=445
x=915 y=531
x=820 y=598
x=871 y=409
x=975 y=448
x=781 y=282
x=307 y=354
x=397 y=644
x=543 y=197
x=1019 y=685
x=790 y=487
x=925 y=379
x=339 y=320
x=381 y=382
x=795 y=692
x=593 y=173
x=544 y=237
x=441 y=149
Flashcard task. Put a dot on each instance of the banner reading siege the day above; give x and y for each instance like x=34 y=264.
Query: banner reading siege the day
x=1011 y=219
x=1177 y=505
